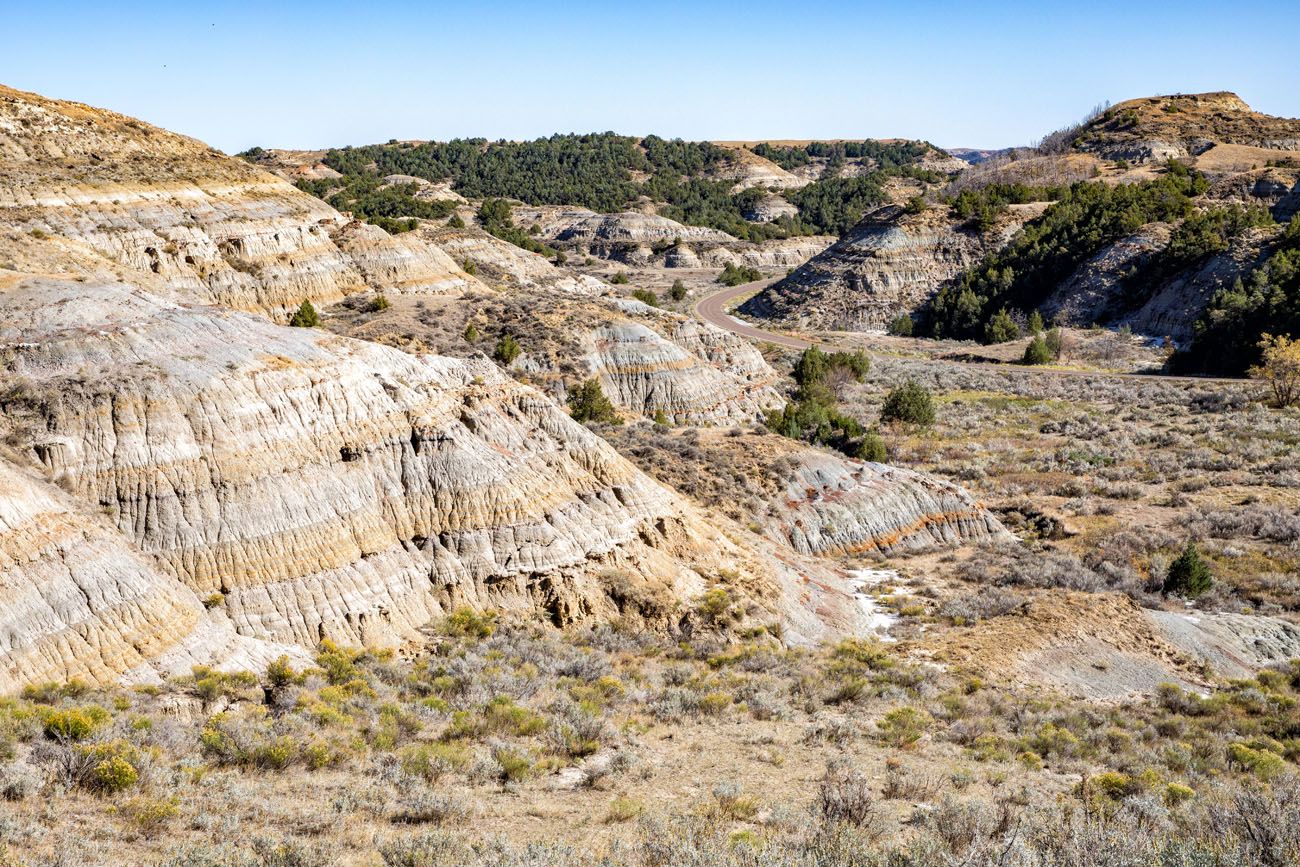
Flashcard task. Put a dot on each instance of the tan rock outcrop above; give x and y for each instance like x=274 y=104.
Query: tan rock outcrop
x=400 y=263
x=76 y=600
x=500 y=263
x=328 y=487
x=650 y=240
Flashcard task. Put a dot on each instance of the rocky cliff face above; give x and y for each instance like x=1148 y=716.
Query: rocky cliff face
x=1092 y=293
x=327 y=487
x=890 y=263
x=500 y=263
x=79 y=601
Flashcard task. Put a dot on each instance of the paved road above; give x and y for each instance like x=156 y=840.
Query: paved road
x=713 y=309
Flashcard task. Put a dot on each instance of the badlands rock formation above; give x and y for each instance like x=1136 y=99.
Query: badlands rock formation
x=587 y=230
x=76 y=600
x=747 y=169
x=500 y=263
x=890 y=263
x=693 y=374
x=769 y=208
x=169 y=448
x=328 y=488
x=1091 y=292
x=648 y=239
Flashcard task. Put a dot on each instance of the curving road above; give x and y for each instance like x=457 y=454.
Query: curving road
x=713 y=309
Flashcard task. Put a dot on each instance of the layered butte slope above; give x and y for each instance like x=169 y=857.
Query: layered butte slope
x=326 y=487
x=214 y=229
x=571 y=327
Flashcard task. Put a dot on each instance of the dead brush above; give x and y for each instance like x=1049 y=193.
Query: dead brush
x=904 y=784
x=844 y=796
x=729 y=802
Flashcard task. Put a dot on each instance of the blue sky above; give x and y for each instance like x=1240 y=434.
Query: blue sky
x=303 y=75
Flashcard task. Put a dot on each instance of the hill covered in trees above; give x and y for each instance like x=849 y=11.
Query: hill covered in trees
x=686 y=181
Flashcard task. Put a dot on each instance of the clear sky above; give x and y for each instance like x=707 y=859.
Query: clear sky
x=303 y=75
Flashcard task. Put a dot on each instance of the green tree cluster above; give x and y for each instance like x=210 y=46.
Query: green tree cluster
x=814 y=414
x=1086 y=217
x=901 y=326
x=1188 y=575
x=507 y=349
x=735 y=276
x=608 y=172
x=305 y=316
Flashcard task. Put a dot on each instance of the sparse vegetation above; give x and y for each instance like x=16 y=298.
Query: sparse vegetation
x=495 y=716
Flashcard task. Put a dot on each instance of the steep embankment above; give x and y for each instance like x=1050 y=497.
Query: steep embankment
x=327 y=487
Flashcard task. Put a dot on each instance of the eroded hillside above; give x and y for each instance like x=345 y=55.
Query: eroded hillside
x=273 y=486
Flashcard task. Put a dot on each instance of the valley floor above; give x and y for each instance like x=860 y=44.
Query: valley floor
x=528 y=746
